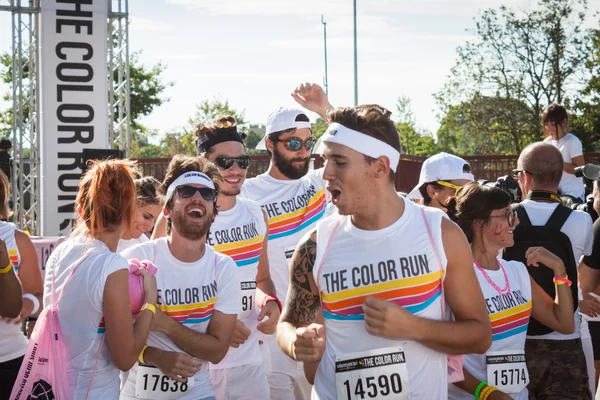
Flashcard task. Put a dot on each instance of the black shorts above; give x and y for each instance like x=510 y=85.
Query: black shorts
x=595 y=334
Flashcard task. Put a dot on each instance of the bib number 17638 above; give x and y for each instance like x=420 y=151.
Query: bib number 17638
x=375 y=374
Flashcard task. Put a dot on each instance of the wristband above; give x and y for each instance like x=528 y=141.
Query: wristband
x=7 y=268
x=270 y=297
x=559 y=280
x=148 y=306
x=478 y=390
x=34 y=300
x=141 y=356
x=489 y=392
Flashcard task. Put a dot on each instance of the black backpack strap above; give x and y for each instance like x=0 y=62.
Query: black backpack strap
x=524 y=220
x=558 y=217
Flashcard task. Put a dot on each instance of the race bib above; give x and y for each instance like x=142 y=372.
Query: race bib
x=248 y=300
x=507 y=370
x=152 y=384
x=289 y=252
x=375 y=374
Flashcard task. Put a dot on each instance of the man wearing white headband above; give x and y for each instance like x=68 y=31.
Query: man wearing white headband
x=381 y=273
x=198 y=291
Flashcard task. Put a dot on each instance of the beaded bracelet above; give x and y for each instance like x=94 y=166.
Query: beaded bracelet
x=489 y=392
x=479 y=387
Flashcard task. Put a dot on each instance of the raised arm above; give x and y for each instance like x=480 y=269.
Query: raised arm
x=312 y=97
x=297 y=334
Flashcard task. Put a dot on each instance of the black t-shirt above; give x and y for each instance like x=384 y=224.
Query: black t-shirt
x=6 y=164
x=593 y=260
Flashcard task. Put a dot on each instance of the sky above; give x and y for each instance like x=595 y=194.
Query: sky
x=254 y=53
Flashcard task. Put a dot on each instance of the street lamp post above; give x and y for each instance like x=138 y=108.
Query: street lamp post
x=326 y=82
x=355 y=61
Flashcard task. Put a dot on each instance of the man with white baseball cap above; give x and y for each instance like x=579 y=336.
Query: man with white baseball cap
x=441 y=176
x=294 y=199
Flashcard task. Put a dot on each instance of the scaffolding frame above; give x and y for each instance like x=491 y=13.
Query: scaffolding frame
x=25 y=98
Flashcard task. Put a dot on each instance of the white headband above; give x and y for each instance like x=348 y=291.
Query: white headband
x=194 y=177
x=357 y=141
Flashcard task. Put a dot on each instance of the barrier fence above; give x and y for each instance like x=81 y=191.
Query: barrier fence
x=407 y=177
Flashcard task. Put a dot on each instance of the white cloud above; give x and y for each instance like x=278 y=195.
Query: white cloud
x=167 y=56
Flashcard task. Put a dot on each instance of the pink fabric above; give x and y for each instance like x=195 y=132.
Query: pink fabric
x=136 y=283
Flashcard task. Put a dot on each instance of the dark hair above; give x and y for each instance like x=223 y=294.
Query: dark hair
x=208 y=134
x=475 y=202
x=372 y=120
x=423 y=188
x=5 y=144
x=147 y=191
x=556 y=113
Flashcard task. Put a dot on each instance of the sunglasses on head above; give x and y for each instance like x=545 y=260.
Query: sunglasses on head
x=224 y=162
x=186 y=191
x=295 y=144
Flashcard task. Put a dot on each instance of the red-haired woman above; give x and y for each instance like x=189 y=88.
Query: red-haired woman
x=95 y=302
x=22 y=256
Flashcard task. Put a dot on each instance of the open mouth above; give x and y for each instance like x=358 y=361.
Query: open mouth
x=335 y=195
x=196 y=212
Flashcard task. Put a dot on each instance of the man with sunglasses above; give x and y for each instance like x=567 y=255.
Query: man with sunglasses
x=294 y=199
x=556 y=362
x=441 y=176
x=198 y=291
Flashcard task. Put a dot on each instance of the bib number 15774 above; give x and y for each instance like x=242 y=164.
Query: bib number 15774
x=376 y=374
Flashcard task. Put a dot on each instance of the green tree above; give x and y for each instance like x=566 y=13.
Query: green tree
x=412 y=140
x=532 y=58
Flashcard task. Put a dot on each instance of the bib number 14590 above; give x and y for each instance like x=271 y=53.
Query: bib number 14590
x=376 y=374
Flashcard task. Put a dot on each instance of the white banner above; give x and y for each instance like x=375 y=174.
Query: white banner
x=73 y=102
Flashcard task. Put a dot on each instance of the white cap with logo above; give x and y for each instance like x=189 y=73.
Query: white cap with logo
x=282 y=119
x=441 y=167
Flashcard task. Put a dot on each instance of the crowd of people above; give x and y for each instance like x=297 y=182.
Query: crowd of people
x=323 y=284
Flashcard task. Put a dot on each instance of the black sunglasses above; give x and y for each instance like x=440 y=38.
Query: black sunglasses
x=224 y=162
x=517 y=172
x=295 y=144
x=186 y=191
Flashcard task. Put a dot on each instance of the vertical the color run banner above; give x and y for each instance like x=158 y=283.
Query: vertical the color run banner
x=73 y=102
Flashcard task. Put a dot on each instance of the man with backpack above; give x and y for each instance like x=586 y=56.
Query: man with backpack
x=556 y=362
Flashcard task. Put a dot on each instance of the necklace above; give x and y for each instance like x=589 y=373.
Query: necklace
x=501 y=292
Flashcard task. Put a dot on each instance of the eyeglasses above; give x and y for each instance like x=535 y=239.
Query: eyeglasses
x=224 y=162
x=295 y=144
x=517 y=172
x=186 y=191
x=511 y=216
x=449 y=185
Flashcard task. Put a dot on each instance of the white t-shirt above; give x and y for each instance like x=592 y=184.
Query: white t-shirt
x=13 y=343
x=239 y=233
x=293 y=208
x=570 y=147
x=397 y=264
x=125 y=244
x=81 y=311
x=188 y=293
x=578 y=228
x=509 y=315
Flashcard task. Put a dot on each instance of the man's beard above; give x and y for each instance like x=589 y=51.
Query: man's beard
x=190 y=230
x=286 y=167
x=226 y=192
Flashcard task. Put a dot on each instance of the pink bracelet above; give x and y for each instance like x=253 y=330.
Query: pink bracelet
x=562 y=279
x=271 y=297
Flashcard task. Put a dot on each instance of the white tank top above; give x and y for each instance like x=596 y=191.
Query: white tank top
x=398 y=264
x=239 y=233
x=13 y=343
x=293 y=208
x=509 y=315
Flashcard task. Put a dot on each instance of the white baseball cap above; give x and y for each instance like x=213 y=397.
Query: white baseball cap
x=441 y=167
x=282 y=119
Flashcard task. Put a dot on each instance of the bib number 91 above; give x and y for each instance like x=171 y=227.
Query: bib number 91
x=373 y=387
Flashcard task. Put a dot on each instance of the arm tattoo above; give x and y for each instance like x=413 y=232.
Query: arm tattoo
x=303 y=297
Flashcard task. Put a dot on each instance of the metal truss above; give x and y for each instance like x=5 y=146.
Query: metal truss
x=25 y=124
x=25 y=83
x=118 y=76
